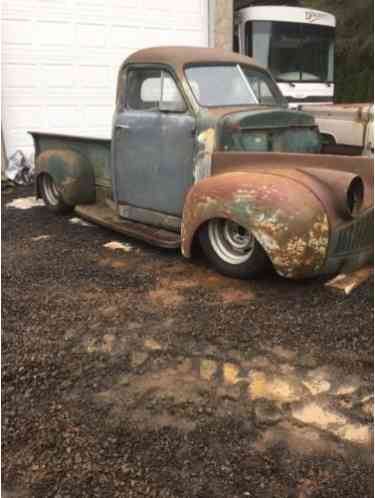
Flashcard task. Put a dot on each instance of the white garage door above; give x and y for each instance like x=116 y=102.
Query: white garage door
x=60 y=58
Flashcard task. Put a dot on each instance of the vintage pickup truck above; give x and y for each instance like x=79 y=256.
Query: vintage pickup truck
x=204 y=151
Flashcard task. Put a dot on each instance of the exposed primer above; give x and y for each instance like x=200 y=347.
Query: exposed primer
x=203 y=161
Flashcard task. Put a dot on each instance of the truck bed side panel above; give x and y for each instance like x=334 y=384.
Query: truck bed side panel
x=95 y=150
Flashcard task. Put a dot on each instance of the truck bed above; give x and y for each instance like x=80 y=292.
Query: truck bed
x=96 y=150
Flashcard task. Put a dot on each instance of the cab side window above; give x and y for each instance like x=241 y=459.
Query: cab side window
x=147 y=88
x=143 y=89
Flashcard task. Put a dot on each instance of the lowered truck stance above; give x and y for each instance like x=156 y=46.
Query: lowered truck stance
x=205 y=151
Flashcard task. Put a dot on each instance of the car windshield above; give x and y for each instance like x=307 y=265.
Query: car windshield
x=232 y=85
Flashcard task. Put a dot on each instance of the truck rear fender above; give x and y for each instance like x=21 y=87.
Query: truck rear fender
x=71 y=172
x=285 y=217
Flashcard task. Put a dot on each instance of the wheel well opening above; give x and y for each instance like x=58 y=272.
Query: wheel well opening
x=38 y=185
x=196 y=239
x=196 y=246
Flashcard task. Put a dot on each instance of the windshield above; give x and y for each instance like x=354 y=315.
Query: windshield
x=232 y=85
x=293 y=51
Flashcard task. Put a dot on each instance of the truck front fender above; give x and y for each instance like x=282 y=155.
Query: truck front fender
x=285 y=217
x=71 y=172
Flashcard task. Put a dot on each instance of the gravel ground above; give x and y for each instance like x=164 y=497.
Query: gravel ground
x=129 y=371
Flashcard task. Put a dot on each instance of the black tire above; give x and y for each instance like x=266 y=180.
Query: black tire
x=51 y=196
x=225 y=254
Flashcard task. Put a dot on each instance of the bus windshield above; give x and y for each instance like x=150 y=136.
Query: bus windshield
x=293 y=51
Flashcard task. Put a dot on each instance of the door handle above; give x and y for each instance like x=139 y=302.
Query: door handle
x=123 y=127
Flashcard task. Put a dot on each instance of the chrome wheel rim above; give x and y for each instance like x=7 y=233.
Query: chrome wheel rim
x=231 y=242
x=50 y=190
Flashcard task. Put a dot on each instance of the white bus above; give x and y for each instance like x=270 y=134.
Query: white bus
x=296 y=44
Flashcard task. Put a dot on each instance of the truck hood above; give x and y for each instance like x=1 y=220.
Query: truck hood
x=265 y=118
x=266 y=129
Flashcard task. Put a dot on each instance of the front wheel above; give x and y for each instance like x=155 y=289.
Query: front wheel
x=51 y=195
x=232 y=249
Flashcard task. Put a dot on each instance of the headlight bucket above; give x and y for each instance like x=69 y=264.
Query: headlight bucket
x=354 y=196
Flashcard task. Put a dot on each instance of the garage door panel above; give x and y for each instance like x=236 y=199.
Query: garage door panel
x=124 y=36
x=57 y=75
x=64 y=116
x=96 y=117
x=17 y=31
x=22 y=117
x=19 y=76
x=51 y=33
x=91 y=35
x=60 y=58
x=94 y=76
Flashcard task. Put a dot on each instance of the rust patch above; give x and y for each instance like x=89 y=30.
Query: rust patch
x=236 y=296
x=294 y=234
x=164 y=297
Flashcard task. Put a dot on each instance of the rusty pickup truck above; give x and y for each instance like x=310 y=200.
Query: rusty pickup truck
x=204 y=151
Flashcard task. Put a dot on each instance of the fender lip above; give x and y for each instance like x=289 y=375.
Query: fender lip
x=71 y=172
x=294 y=235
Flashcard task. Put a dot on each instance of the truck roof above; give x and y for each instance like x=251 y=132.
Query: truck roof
x=180 y=56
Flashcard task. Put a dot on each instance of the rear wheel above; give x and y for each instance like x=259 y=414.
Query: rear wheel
x=51 y=195
x=232 y=249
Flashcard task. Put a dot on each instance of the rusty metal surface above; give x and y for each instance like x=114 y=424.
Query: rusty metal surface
x=180 y=56
x=71 y=172
x=294 y=234
x=96 y=151
x=105 y=216
x=226 y=162
x=293 y=203
x=152 y=159
x=150 y=217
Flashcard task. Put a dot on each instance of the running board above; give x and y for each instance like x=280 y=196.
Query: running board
x=105 y=216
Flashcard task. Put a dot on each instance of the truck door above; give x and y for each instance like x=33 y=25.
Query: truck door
x=153 y=143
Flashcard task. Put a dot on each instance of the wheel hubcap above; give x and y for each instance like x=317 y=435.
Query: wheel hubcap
x=231 y=242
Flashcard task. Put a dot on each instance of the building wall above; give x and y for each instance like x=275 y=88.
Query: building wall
x=221 y=18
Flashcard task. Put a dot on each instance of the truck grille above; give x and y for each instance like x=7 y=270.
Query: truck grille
x=358 y=235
